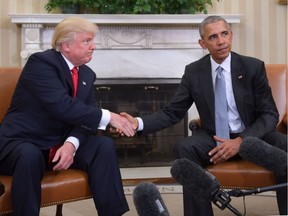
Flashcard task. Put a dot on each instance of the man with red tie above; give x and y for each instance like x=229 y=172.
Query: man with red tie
x=48 y=110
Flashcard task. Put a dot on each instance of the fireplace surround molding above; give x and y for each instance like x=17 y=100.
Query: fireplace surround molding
x=127 y=46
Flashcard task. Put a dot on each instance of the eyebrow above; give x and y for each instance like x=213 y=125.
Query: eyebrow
x=213 y=35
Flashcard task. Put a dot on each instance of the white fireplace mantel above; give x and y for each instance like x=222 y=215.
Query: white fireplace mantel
x=119 y=18
x=126 y=45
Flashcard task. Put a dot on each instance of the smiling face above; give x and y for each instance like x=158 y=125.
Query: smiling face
x=80 y=50
x=217 y=38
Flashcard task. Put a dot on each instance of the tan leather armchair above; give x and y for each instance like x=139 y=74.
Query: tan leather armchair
x=57 y=187
x=243 y=174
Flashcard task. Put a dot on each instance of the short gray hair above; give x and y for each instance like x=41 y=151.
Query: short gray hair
x=209 y=20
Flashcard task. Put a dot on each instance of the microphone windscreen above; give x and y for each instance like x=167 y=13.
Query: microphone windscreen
x=194 y=178
x=263 y=154
x=148 y=201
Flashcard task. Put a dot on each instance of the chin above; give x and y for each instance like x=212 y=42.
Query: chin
x=88 y=59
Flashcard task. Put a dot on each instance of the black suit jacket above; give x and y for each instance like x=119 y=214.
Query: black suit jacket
x=43 y=110
x=251 y=90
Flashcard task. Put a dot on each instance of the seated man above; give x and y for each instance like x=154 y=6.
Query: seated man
x=54 y=104
x=247 y=108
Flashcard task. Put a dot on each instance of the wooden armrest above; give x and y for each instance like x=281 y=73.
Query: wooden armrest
x=284 y=120
x=282 y=126
x=194 y=125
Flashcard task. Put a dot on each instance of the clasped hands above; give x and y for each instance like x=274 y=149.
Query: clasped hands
x=123 y=124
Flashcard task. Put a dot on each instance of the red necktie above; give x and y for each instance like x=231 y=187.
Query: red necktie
x=52 y=154
x=75 y=85
x=75 y=79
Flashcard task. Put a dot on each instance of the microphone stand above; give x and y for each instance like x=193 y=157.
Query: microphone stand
x=239 y=193
x=222 y=199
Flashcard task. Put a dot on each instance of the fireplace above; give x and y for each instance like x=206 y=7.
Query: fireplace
x=140 y=97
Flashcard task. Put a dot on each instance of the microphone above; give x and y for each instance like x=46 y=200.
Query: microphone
x=148 y=201
x=201 y=182
x=263 y=154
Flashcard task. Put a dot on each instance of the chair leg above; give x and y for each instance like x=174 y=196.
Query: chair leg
x=59 y=210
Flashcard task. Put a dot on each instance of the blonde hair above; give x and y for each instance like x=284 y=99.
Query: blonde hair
x=66 y=30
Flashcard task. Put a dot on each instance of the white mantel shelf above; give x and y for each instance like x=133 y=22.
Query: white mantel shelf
x=120 y=18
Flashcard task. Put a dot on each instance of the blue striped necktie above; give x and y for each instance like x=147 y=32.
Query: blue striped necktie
x=221 y=107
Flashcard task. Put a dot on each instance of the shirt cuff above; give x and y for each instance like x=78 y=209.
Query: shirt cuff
x=104 y=120
x=74 y=141
x=140 y=124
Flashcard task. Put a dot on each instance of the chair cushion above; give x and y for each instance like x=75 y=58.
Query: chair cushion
x=241 y=174
x=57 y=187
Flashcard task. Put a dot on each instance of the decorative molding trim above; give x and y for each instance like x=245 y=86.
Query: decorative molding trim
x=121 y=18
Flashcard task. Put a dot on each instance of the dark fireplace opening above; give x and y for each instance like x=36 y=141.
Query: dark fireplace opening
x=140 y=97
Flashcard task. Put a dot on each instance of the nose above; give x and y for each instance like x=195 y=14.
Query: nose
x=93 y=45
x=221 y=40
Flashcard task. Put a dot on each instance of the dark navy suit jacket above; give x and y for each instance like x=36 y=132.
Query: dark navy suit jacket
x=251 y=90
x=43 y=110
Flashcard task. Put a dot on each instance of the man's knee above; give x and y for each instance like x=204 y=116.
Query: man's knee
x=277 y=139
x=100 y=145
x=28 y=154
x=195 y=148
x=181 y=149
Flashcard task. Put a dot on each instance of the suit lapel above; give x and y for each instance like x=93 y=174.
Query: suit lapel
x=81 y=82
x=65 y=72
x=238 y=76
x=207 y=84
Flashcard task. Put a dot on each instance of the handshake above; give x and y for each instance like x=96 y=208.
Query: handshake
x=123 y=124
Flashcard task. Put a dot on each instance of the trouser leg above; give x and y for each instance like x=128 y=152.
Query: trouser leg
x=26 y=163
x=279 y=140
x=98 y=158
x=196 y=149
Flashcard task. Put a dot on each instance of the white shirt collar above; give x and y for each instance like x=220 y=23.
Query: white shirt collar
x=70 y=65
x=225 y=64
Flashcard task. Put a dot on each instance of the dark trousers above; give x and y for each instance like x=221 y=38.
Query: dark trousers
x=196 y=148
x=97 y=157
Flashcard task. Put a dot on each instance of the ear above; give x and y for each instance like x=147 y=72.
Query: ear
x=202 y=43
x=65 y=46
